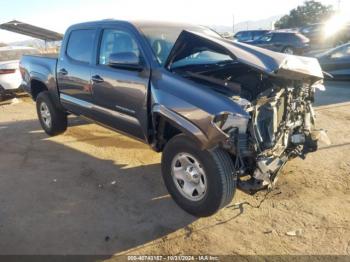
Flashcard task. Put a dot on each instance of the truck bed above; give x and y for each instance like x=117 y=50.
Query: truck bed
x=46 y=55
x=41 y=68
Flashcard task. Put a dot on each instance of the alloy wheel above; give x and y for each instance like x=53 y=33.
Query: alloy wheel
x=189 y=176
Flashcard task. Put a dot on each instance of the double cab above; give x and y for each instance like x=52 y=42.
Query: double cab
x=224 y=115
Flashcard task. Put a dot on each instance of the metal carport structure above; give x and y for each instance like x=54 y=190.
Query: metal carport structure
x=31 y=30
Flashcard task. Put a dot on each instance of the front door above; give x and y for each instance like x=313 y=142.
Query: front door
x=121 y=93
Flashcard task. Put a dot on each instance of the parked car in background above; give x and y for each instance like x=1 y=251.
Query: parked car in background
x=283 y=41
x=336 y=62
x=10 y=77
x=319 y=37
x=249 y=35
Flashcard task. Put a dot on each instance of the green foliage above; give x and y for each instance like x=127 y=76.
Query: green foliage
x=310 y=12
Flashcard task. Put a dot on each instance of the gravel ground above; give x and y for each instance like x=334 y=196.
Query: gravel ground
x=93 y=191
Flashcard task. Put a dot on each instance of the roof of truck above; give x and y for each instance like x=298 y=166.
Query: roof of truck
x=137 y=23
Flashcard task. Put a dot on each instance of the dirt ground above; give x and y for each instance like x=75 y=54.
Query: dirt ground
x=93 y=191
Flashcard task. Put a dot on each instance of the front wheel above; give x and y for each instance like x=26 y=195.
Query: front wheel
x=52 y=119
x=200 y=181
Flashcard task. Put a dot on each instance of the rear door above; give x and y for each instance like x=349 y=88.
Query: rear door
x=121 y=93
x=265 y=41
x=278 y=41
x=74 y=70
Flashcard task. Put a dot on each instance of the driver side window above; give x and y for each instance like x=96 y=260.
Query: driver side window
x=114 y=42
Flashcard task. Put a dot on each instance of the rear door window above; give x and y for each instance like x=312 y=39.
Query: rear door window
x=266 y=38
x=80 y=45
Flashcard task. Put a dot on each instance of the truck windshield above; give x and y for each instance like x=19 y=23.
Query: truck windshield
x=204 y=57
x=162 y=39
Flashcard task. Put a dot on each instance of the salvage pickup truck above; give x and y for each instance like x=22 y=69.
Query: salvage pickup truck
x=224 y=115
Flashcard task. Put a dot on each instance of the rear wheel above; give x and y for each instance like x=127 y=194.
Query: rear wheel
x=288 y=50
x=200 y=181
x=52 y=119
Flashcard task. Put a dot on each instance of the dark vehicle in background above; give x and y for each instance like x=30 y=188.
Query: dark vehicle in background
x=318 y=37
x=249 y=35
x=224 y=114
x=283 y=42
x=336 y=62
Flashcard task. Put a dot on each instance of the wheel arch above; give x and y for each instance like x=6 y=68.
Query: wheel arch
x=36 y=87
x=168 y=124
x=287 y=46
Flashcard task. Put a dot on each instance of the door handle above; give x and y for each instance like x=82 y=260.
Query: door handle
x=97 y=79
x=63 y=72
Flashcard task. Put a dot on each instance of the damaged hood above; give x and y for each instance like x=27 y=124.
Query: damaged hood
x=266 y=61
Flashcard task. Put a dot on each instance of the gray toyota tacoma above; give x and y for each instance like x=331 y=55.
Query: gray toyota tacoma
x=224 y=115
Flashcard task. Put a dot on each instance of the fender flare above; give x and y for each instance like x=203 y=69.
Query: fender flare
x=51 y=87
x=181 y=123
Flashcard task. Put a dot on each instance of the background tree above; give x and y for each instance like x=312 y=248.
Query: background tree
x=2 y=44
x=309 y=13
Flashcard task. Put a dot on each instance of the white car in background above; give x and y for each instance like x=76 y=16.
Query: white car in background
x=10 y=77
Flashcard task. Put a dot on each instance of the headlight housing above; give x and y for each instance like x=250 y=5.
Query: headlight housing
x=227 y=121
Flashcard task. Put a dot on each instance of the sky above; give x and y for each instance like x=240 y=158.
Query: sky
x=57 y=15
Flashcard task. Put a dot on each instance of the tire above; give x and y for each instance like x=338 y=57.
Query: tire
x=58 y=118
x=217 y=166
x=288 y=50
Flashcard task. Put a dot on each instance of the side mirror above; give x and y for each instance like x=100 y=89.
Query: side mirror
x=125 y=60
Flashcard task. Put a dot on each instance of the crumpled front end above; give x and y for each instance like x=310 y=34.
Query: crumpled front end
x=275 y=91
x=281 y=126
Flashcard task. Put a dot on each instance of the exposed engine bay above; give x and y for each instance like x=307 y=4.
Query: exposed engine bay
x=279 y=124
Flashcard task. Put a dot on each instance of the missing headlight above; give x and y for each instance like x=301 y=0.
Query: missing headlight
x=227 y=121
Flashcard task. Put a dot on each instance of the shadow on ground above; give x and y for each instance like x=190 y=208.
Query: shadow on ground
x=58 y=200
